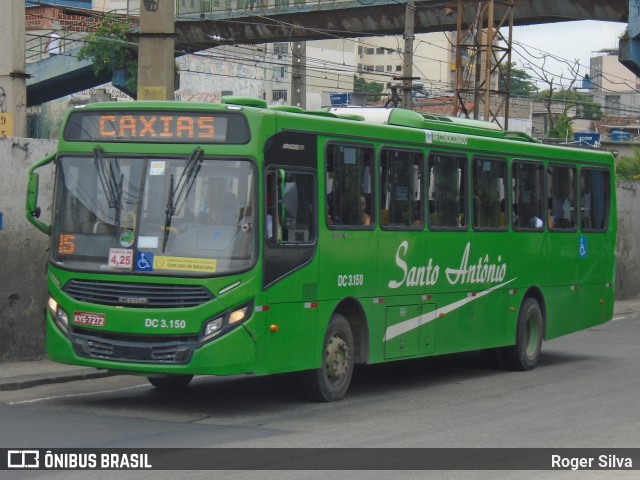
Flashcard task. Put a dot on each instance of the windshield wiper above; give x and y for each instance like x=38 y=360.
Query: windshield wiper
x=111 y=186
x=179 y=193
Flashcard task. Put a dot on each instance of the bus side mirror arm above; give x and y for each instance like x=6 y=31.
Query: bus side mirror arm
x=32 y=209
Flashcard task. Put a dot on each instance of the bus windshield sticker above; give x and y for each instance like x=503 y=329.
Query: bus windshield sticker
x=127 y=237
x=144 y=262
x=157 y=167
x=185 y=264
x=121 y=258
x=147 y=242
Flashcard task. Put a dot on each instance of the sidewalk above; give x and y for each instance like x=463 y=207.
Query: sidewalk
x=19 y=375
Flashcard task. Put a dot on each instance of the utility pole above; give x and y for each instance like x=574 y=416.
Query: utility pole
x=489 y=55
x=299 y=74
x=156 y=70
x=407 y=64
x=13 y=78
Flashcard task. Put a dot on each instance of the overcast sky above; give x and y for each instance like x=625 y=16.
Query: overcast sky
x=570 y=40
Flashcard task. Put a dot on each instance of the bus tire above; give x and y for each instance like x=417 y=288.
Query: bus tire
x=170 y=382
x=331 y=381
x=524 y=355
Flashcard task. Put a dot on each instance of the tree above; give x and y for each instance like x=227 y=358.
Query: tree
x=562 y=103
x=561 y=128
x=109 y=50
x=628 y=168
x=373 y=89
x=521 y=82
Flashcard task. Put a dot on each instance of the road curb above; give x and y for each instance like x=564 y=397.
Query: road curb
x=29 y=381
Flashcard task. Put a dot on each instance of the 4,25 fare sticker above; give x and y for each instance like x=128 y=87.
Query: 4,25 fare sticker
x=121 y=258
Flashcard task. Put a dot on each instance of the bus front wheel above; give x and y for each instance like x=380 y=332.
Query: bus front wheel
x=170 y=382
x=524 y=355
x=331 y=381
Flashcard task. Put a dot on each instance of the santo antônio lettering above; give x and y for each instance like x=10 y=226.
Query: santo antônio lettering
x=157 y=126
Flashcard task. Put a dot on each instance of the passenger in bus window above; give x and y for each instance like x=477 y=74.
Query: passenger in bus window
x=365 y=218
x=560 y=205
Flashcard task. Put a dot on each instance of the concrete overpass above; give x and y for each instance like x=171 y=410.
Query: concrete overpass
x=63 y=74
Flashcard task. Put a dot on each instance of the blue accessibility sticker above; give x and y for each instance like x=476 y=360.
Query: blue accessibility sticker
x=144 y=262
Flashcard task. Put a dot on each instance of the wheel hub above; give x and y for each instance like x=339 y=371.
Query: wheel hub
x=338 y=358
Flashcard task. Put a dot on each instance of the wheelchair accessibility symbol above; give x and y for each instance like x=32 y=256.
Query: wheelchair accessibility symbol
x=144 y=262
x=583 y=247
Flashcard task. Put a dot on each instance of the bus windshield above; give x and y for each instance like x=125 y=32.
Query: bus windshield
x=155 y=215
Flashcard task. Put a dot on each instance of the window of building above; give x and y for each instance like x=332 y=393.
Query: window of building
x=389 y=68
x=280 y=71
x=400 y=189
x=528 y=196
x=349 y=185
x=562 y=197
x=380 y=51
x=595 y=199
x=370 y=51
x=447 y=187
x=278 y=95
x=489 y=194
x=398 y=68
x=281 y=50
x=379 y=68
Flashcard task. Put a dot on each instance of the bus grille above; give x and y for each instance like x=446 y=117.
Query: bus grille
x=137 y=295
x=164 y=350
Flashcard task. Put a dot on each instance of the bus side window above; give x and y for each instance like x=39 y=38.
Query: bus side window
x=528 y=198
x=447 y=191
x=349 y=186
x=489 y=193
x=400 y=189
x=595 y=199
x=562 y=198
x=290 y=210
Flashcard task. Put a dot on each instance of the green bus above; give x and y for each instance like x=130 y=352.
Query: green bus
x=236 y=238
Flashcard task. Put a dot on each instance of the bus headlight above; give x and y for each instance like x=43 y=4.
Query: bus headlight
x=225 y=321
x=212 y=328
x=238 y=315
x=59 y=316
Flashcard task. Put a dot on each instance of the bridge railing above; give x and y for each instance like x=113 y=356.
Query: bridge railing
x=242 y=6
x=41 y=44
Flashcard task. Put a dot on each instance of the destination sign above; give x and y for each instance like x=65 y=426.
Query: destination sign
x=156 y=127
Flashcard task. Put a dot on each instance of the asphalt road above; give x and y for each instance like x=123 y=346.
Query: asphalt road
x=584 y=394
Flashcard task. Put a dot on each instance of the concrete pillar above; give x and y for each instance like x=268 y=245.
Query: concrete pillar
x=13 y=79
x=156 y=62
x=299 y=74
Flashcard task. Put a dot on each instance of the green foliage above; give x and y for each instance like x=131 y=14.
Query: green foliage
x=628 y=168
x=521 y=83
x=585 y=108
x=109 y=50
x=562 y=128
x=373 y=89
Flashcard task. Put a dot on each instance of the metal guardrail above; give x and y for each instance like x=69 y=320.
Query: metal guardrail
x=257 y=6
x=37 y=44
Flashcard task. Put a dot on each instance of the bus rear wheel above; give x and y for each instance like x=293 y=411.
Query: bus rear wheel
x=331 y=381
x=524 y=355
x=170 y=382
